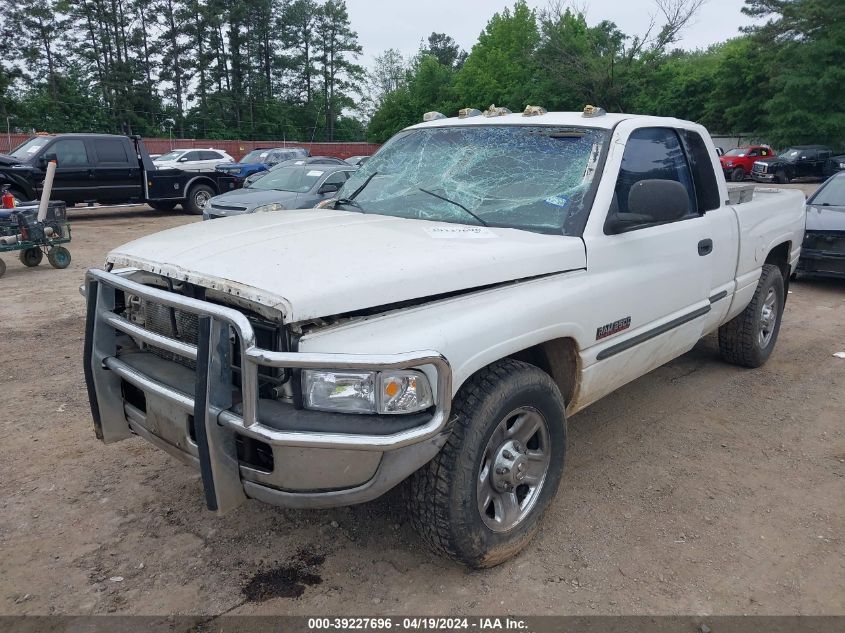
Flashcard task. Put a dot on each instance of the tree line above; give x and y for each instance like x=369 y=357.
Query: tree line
x=196 y=68
x=781 y=81
x=290 y=69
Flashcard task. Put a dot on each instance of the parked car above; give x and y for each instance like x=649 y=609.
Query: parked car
x=312 y=160
x=469 y=288
x=260 y=160
x=293 y=187
x=803 y=161
x=835 y=165
x=193 y=159
x=105 y=169
x=823 y=252
x=357 y=160
x=737 y=163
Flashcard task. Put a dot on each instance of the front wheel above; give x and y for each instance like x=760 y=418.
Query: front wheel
x=782 y=177
x=738 y=175
x=749 y=338
x=481 y=499
x=59 y=257
x=198 y=197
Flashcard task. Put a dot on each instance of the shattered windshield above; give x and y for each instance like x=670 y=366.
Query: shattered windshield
x=536 y=178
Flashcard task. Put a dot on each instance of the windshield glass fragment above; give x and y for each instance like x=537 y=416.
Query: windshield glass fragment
x=536 y=178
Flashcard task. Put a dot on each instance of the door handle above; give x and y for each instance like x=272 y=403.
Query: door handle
x=705 y=247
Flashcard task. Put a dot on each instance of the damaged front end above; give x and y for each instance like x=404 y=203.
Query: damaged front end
x=216 y=381
x=823 y=254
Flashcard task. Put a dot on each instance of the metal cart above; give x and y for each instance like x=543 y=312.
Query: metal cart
x=21 y=231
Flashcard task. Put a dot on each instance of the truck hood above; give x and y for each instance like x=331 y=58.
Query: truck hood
x=320 y=263
x=6 y=160
x=822 y=219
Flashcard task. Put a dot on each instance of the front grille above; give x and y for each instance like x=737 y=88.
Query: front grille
x=184 y=326
x=760 y=168
x=224 y=207
x=828 y=242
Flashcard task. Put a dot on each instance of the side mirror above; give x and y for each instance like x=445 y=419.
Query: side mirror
x=651 y=202
x=184 y=159
x=329 y=188
x=48 y=158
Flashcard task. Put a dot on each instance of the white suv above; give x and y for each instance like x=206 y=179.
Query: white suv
x=193 y=159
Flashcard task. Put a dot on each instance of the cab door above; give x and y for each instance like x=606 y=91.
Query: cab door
x=649 y=285
x=116 y=172
x=72 y=182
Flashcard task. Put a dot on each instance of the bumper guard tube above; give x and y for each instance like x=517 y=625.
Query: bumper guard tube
x=218 y=420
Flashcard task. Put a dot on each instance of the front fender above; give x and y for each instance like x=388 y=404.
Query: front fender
x=471 y=330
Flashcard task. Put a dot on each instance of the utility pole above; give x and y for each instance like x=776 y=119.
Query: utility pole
x=9 y=132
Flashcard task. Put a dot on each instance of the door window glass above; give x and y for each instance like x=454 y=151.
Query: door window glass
x=111 y=151
x=653 y=154
x=192 y=156
x=69 y=153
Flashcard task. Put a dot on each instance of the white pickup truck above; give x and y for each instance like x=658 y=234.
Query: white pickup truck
x=481 y=279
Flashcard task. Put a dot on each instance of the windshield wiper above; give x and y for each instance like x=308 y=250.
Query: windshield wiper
x=457 y=204
x=350 y=200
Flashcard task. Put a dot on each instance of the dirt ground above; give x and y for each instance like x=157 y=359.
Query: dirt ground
x=700 y=488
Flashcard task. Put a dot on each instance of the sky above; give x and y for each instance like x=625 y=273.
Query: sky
x=400 y=24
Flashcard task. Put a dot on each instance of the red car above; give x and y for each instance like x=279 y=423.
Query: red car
x=738 y=162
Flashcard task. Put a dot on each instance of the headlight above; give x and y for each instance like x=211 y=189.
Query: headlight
x=729 y=164
x=264 y=208
x=389 y=392
x=841 y=165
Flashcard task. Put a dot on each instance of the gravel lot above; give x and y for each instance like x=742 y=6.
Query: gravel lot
x=700 y=488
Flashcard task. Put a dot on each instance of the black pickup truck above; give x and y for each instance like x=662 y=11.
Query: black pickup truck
x=105 y=169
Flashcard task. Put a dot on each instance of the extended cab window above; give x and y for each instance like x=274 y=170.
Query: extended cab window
x=706 y=188
x=653 y=154
x=69 y=153
x=111 y=151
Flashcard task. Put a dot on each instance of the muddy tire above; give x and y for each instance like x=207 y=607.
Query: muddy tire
x=738 y=175
x=749 y=338
x=481 y=499
x=198 y=197
x=31 y=257
x=59 y=257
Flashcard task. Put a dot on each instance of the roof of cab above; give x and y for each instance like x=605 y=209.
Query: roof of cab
x=565 y=119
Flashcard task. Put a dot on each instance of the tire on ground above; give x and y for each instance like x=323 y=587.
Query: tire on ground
x=193 y=202
x=441 y=496
x=738 y=175
x=31 y=257
x=740 y=338
x=59 y=257
x=782 y=177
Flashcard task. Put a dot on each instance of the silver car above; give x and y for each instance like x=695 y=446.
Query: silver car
x=295 y=187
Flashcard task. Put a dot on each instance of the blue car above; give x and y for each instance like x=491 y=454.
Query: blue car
x=260 y=160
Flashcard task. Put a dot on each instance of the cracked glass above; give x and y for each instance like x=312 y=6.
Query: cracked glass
x=535 y=178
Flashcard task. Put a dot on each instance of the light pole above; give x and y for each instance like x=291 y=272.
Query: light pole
x=9 y=132
x=170 y=123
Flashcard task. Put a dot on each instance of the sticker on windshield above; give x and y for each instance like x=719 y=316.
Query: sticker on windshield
x=33 y=149
x=314 y=172
x=558 y=201
x=458 y=232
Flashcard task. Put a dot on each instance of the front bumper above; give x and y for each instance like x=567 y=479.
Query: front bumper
x=758 y=177
x=196 y=416
x=822 y=263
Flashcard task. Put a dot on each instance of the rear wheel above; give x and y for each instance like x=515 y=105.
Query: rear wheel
x=198 y=197
x=31 y=257
x=481 y=499
x=749 y=338
x=59 y=257
x=738 y=175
